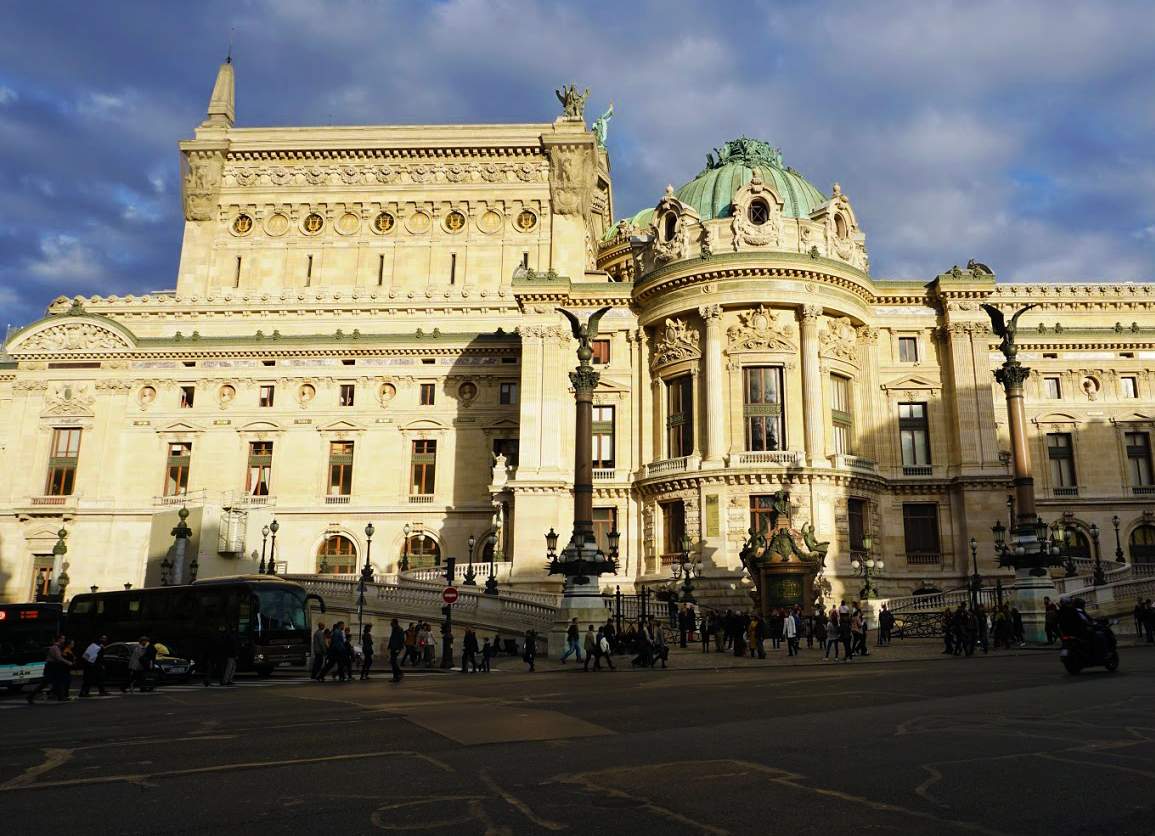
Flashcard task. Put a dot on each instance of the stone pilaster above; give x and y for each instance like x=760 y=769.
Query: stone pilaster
x=812 y=403
x=867 y=424
x=714 y=389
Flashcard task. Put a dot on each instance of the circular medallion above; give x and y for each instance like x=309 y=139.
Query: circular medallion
x=348 y=223
x=226 y=395
x=455 y=221
x=388 y=392
x=146 y=395
x=384 y=222
x=242 y=225
x=419 y=222
x=489 y=222
x=467 y=391
x=306 y=394
x=312 y=223
x=277 y=224
x=526 y=220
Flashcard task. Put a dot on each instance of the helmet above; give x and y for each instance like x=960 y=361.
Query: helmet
x=1079 y=604
x=1064 y=600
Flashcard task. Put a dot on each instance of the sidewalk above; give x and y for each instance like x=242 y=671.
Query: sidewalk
x=908 y=650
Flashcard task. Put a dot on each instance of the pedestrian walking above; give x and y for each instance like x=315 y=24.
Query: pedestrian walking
x=1139 y=618
x=1149 y=621
x=366 y=651
x=335 y=653
x=92 y=664
x=469 y=650
x=789 y=632
x=590 y=646
x=706 y=630
x=411 y=653
x=487 y=652
x=425 y=643
x=844 y=633
x=661 y=646
x=135 y=665
x=885 y=624
x=320 y=645
x=347 y=660
x=572 y=643
x=645 y=644
x=948 y=630
x=1017 y=630
x=1051 y=620
x=529 y=652
x=757 y=636
x=54 y=663
x=396 y=647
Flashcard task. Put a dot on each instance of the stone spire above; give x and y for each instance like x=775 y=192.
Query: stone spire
x=223 y=101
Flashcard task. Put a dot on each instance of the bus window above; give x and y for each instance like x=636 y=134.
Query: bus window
x=244 y=617
x=281 y=609
x=211 y=607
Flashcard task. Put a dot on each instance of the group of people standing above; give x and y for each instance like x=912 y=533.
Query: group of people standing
x=967 y=627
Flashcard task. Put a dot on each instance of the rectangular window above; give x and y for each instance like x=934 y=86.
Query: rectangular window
x=260 y=468
x=1062 y=458
x=1139 y=458
x=920 y=527
x=762 y=408
x=914 y=434
x=603 y=436
x=176 y=469
x=428 y=394
x=347 y=394
x=908 y=349
x=680 y=416
x=605 y=521
x=601 y=352
x=62 y=459
x=856 y=520
x=42 y=581
x=761 y=513
x=453 y=268
x=1128 y=388
x=237 y=274
x=340 y=468
x=507 y=447
x=840 y=415
x=424 y=467
x=673 y=527
x=308 y=270
x=266 y=398
x=510 y=393
x=187 y=396
x=380 y=270
x=1052 y=390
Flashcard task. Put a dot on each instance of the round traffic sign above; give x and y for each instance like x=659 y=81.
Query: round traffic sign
x=449 y=594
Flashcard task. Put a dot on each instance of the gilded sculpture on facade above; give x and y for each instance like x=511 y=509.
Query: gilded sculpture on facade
x=573 y=103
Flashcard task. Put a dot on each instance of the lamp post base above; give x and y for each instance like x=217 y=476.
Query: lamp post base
x=1030 y=590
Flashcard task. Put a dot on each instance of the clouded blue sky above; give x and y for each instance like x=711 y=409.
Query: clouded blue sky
x=1018 y=132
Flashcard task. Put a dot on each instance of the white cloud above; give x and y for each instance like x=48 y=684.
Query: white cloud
x=64 y=258
x=8 y=96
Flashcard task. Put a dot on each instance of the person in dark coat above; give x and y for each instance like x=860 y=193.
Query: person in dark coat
x=529 y=654
x=469 y=650
x=396 y=646
x=366 y=650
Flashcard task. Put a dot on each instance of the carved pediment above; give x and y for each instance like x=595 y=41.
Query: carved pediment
x=761 y=329
x=675 y=341
x=910 y=384
x=72 y=335
x=69 y=399
x=839 y=340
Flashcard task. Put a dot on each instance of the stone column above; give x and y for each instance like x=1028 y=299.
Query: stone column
x=714 y=391
x=867 y=425
x=812 y=402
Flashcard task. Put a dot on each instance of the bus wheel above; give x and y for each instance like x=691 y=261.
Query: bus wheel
x=265 y=670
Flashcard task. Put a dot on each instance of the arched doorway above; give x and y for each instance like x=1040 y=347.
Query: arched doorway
x=423 y=552
x=337 y=556
x=1080 y=545
x=1141 y=544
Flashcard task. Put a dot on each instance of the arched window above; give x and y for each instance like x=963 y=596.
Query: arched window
x=669 y=226
x=1080 y=545
x=759 y=212
x=840 y=226
x=423 y=552
x=1142 y=544
x=337 y=556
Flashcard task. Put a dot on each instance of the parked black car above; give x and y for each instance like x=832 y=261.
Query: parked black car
x=169 y=668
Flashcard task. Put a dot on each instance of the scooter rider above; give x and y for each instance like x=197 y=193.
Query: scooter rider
x=1074 y=621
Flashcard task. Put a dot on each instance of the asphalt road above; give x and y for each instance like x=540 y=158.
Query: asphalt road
x=989 y=745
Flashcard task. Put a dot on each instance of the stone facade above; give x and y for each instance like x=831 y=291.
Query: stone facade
x=364 y=317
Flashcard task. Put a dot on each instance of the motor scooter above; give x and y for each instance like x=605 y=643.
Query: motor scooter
x=1078 y=653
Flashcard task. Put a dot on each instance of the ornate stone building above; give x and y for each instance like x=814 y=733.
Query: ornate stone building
x=363 y=329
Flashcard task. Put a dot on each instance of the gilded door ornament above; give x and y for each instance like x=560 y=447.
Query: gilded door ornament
x=761 y=328
x=313 y=223
x=455 y=221
x=384 y=222
x=526 y=220
x=675 y=341
x=242 y=225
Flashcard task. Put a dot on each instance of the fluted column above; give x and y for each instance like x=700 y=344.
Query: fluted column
x=812 y=407
x=714 y=390
x=866 y=420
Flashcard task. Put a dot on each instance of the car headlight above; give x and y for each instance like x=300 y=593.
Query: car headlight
x=260 y=657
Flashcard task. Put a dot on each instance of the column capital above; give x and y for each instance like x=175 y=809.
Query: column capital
x=809 y=313
x=712 y=314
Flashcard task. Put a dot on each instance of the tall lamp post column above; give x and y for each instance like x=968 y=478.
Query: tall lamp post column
x=470 y=575
x=976 y=578
x=1029 y=554
x=493 y=540
x=366 y=578
x=868 y=568
x=182 y=533
x=1099 y=577
x=405 y=549
x=274 y=527
x=1118 y=546
x=264 y=542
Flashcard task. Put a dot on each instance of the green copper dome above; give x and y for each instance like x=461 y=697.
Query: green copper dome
x=712 y=191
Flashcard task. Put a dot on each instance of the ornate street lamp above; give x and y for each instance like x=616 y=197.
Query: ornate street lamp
x=165 y=571
x=687 y=570
x=274 y=527
x=1068 y=538
x=868 y=568
x=976 y=578
x=405 y=551
x=366 y=577
x=128 y=586
x=93 y=588
x=1099 y=577
x=264 y=542
x=491 y=581
x=1118 y=546
x=470 y=575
